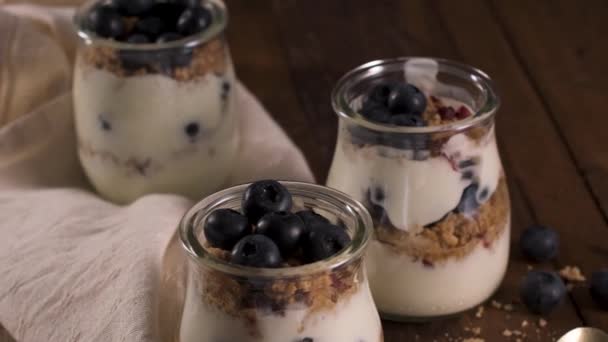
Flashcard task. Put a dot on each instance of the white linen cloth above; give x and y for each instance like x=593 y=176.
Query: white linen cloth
x=74 y=267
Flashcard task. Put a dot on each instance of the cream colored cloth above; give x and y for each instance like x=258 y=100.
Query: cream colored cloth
x=74 y=267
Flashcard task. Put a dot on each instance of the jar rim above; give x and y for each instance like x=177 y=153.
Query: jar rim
x=218 y=25
x=342 y=106
x=354 y=250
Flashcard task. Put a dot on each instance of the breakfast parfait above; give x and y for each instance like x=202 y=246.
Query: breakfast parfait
x=278 y=262
x=417 y=146
x=153 y=97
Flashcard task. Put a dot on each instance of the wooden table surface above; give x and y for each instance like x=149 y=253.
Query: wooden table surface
x=550 y=62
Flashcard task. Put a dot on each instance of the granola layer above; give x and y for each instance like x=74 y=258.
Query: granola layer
x=182 y=64
x=246 y=299
x=454 y=236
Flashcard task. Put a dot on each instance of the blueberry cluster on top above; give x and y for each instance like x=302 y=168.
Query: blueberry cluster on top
x=396 y=103
x=148 y=21
x=267 y=234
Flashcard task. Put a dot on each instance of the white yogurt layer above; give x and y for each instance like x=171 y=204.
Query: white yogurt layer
x=416 y=192
x=132 y=134
x=405 y=288
x=353 y=319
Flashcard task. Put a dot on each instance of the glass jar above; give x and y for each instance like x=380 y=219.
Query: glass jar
x=155 y=118
x=437 y=194
x=325 y=301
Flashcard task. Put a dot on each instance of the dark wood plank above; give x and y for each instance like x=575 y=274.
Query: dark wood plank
x=560 y=46
x=575 y=82
x=342 y=36
x=260 y=63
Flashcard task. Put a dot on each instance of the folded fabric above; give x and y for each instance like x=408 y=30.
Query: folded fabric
x=75 y=267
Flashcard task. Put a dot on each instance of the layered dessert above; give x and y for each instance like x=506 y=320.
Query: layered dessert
x=434 y=185
x=153 y=98
x=286 y=285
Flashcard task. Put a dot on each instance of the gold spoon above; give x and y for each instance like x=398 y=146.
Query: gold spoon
x=584 y=335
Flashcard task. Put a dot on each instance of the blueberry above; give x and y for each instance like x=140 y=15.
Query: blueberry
x=323 y=242
x=539 y=243
x=133 y=7
x=150 y=26
x=168 y=13
x=264 y=197
x=181 y=57
x=135 y=60
x=542 y=291
x=312 y=219
x=138 y=39
x=599 y=288
x=192 y=129
x=106 y=22
x=375 y=112
x=361 y=136
x=284 y=228
x=406 y=99
x=256 y=251
x=105 y=124
x=467 y=163
x=169 y=59
x=188 y=3
x=468 y=201
x=226 y=87
x=483 y=195
x=468 y=175
x=225 y=227
x=373 y=199
x=410 y=120
x=380 y=94
x=168 y=37
x=194 y=20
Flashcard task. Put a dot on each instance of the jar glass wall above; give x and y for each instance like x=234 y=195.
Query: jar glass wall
x=155 y=117
x=327 y=300
x=437 y=193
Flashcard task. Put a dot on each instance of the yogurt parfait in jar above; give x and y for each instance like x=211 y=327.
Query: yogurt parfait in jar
x=153 y=97
x=276 y=262
x=417 y=146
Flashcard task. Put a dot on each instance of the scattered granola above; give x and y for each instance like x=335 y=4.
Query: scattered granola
x=572 y=274
x=496 y=304
x=479 y=313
